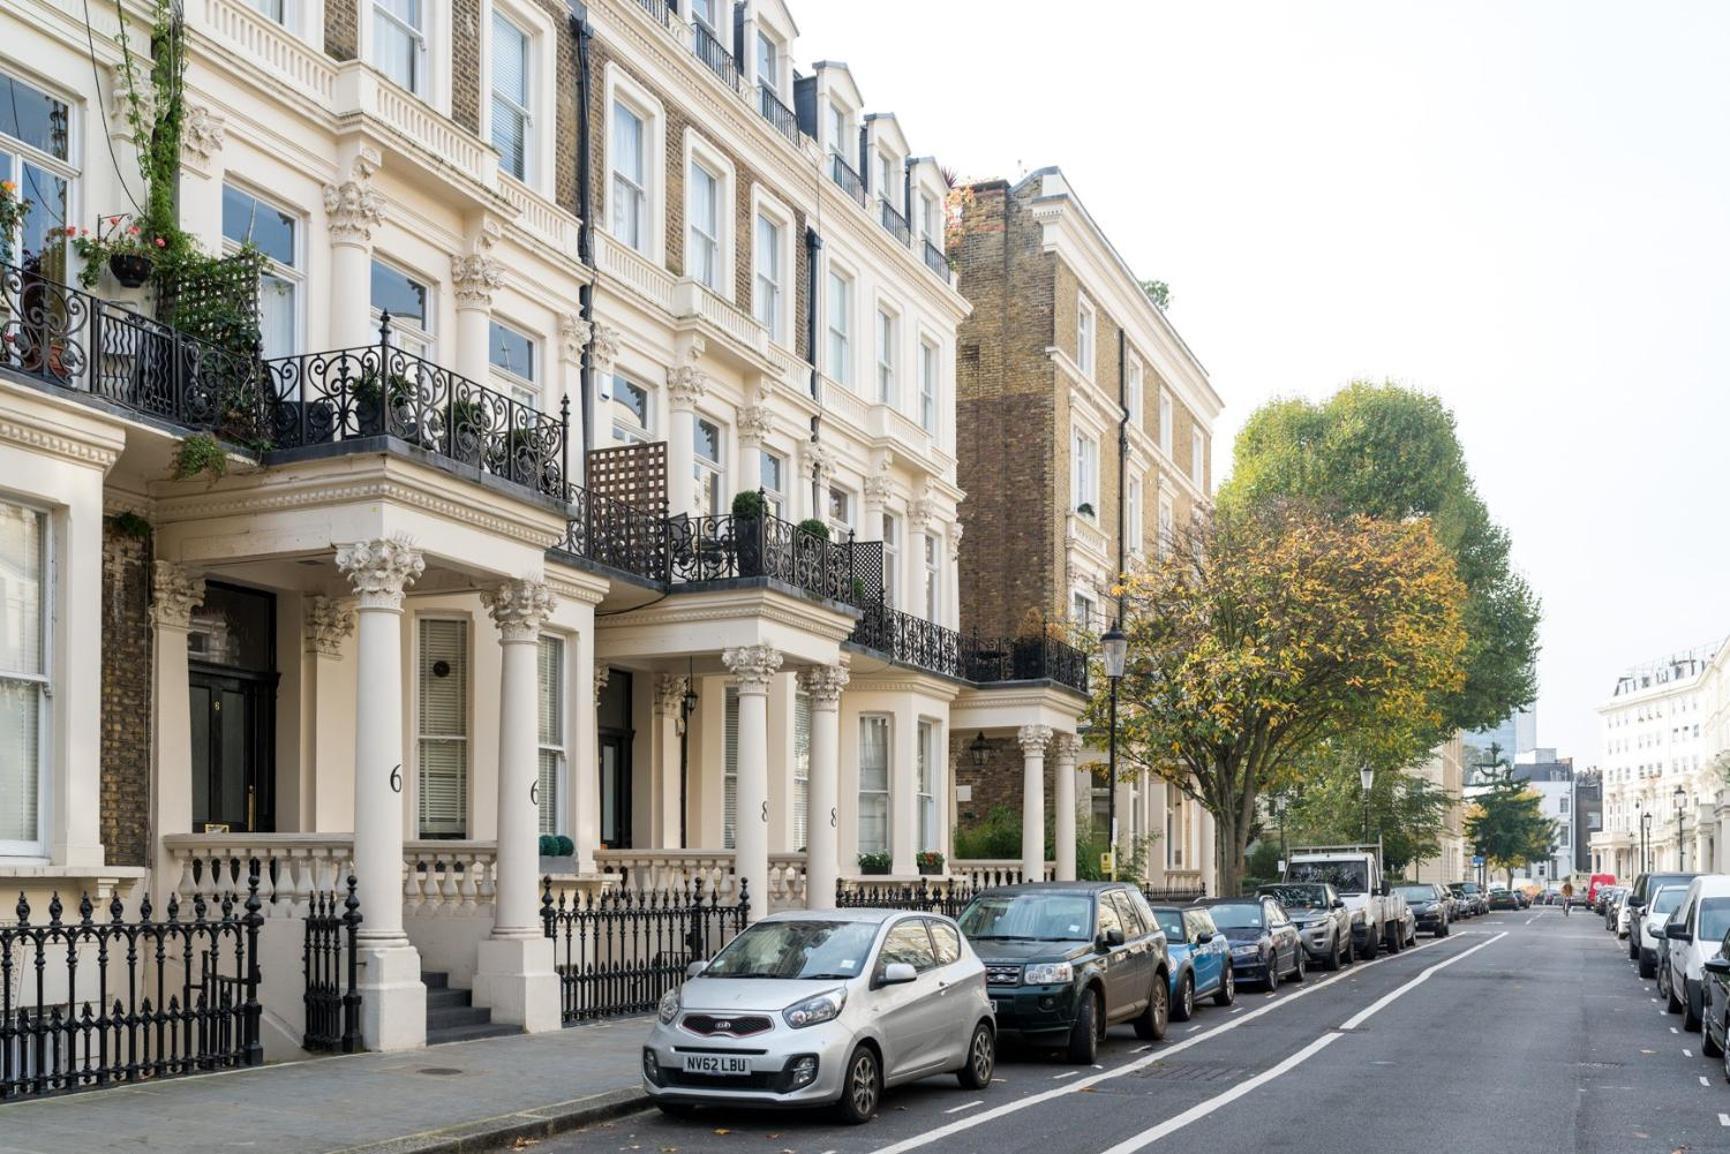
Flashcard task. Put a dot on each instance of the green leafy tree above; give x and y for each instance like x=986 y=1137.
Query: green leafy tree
x=1273 y=630
x=1507 y=826
x=1405 y=811
x=1158 y=292
x=1392 y=452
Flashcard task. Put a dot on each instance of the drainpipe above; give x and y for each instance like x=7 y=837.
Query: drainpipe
x=813 y=246
x=1122 y=463
x=583 y=32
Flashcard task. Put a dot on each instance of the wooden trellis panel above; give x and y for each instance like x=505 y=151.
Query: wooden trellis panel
x=635 y=475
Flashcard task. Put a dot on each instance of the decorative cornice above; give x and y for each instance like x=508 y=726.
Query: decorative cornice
x=584 y=588
x=574 y=334
x=519 y=608
x=352 y=208
x=1033 y=738
x=327 y=623
x=202 y=134
x=824 y=684
x=36 y=437
x=174 y=594
x=752 y=666
x=799 y=613
x=755 y=423
x=669 y=694
x=380 y=570
x=686 y=386
x=475 y=276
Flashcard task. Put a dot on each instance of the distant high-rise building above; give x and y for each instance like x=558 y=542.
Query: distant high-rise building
x=1516 y=734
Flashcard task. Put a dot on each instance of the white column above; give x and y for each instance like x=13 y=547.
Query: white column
x=603 y=344
x=664 y=802
x=514 y=972
x=474 y=276
x=1033 y=739
x=685 y=386
x=752 y=667
x=573 y=337
x=1063 y=747
x=327 y=710
x=755 y=424
x=352 y=209
x=175 y=594
x=590 y=679
x=823 y=683
x=393 y=1001
x=879 y=487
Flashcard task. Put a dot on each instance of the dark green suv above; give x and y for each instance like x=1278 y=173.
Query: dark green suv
x=1064 y=960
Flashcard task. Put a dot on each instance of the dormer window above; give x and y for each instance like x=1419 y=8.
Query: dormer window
x=768 y=63
x=703 y=12
x=888 y=179
x=837 y=129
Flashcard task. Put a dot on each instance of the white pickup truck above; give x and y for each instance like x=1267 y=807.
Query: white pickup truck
x=1355 y=871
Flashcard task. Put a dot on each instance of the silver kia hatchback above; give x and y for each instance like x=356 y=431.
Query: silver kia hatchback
x=823 y=1008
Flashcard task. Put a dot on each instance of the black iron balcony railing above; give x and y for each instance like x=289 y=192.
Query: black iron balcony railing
x=710 y=52
x=936 y=260
x=613 y=533
x=895 y=222
x=844 y=175
x=910 y=640
x=63 y=336
x=725 y=546
x=777 y=113
x=1041 y=658
x=658 y=10
x=380 y=390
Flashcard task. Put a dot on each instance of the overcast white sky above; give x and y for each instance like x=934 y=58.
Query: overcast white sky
x=1521 y=207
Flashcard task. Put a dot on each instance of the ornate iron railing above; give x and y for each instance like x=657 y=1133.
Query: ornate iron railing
x=1026 y=659
x=777 y=113
x=331 y=967
x=847 y=177
x=895 y=222
x=911 y=640
x=711 y=53
x=64 y=336
x=381 y=390
x=617 y=953
x=944 y=896
x=936 y=260
x=613 y=533
x=129 y=1000
x=725 y=546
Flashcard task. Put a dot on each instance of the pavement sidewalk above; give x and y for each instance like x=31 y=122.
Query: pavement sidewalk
x=451 y=1099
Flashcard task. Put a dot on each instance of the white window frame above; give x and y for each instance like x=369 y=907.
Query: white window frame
x=927 y=782
x=1165 y=422
x=1163 y=539
x=1133 y=514
x=776 y=495
x=526 y=389
x=1086 y=335
x=554 y=806
x=1136 y=378
x=890 y=180
x=839 y=362
x=764 y=207
x=930 y=385
x=931 y=217
x=840 y=138
x=409 y=337
x=886 y=353
x=22 y=153
x=709 y=469
x=294 y=276
x=700 y=153
x=892 y=560
x=539 y=162
x=1083 y=608
x=1198 y=458
x=633 y=434
x=303 y=18
x=433 y=65
x=931 y=564
x=621 y=90
x=45 y=748
x=466 y=737
x=887 y=793
x=851 y=500
x=765 y=36
x=1084 y=473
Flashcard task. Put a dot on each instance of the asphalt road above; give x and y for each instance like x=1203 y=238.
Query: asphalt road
x=1520 y=1032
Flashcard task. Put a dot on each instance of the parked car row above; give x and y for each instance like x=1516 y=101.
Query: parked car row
x=831 y=1008
x=1678 y=931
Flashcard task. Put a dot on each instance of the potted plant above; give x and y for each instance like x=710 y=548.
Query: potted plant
x=749 y=508
x=372 y=408
x=1085 y=509
x=930 y=863
x=874 y=864
x=466 y=430
x=814 y=527
x=14 y=210
x=119 y=243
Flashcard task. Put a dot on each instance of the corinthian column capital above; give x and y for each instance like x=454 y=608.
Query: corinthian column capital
x=752 y=666
x=175 y=593
x=824 y=684
x=351 y=207
x=380 y=570
x=1034 y=738
x=328 y=622
x=519 y=608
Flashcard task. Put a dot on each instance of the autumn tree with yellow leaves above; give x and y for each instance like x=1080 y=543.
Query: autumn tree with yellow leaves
x=1274 y=629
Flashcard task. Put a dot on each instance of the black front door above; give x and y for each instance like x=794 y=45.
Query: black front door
x=231 y=648
x=615 y=760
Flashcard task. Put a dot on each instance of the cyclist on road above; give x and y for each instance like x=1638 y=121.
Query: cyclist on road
x=1567 y=897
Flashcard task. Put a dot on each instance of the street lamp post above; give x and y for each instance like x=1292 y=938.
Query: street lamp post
x=1645 y=840
x=1680 y=796
x=1115 y=648
x=1280 y=802
x=1366 y=778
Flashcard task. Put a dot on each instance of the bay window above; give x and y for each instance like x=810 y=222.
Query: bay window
x=409 y=303
x=512 y=356
x=633 y=416
x=873 y=784
x=25 y=698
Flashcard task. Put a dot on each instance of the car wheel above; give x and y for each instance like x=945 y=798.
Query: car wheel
x=1351 y=949
x=1183 y=1006
x=1273 y=972
x=1447 y=928
x=1691 y=1009
x=1648 y=969
x=1372 y=944
x=1227 y=989
x=1150 y=1024
x=1084 y=1034
x=981 y=1059
x=861 y=1087
x=1300 y=964
x=1334 y=961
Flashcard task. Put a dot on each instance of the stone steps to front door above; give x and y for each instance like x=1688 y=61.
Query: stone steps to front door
x=451 y=1015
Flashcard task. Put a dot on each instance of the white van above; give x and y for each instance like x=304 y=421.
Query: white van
x=1694 y=933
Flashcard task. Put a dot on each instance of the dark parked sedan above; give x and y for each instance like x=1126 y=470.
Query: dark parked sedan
x=1429 y=904
x=1503 y=900
x=1265 y=946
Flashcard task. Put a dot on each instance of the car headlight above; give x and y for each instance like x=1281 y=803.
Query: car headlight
x=815 y=1010
x=1048 y=974
x=1245 y=951
x=669 y=1007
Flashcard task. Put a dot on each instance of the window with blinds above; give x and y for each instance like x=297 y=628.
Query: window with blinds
x=730 y=770
x=925 y=783
x=801 y=770
x=873 y=784
x=551 y=688
x=511 y=119
x=442 y=744
x=24 y=698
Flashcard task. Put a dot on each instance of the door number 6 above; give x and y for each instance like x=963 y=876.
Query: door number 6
x=396 y=778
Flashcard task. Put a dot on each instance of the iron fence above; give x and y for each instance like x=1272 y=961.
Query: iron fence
x=97 y=1002
x=613 y=533
x=331 y=967
x=911 y=640
x=618 y=952
x=711 y=53
x=63 y=336
x=946 y=897
x=1026 y=659
x=381 y=390
x=724 y=546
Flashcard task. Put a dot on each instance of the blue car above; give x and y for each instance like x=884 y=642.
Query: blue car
x=1200 y=959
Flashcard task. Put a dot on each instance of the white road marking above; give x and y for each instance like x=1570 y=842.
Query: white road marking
x=1674 y=1030
x=1191 y=1030
x=960 y=1124
x=1364 y=1014
x=1703 y=1080
x=1686 y=1053
x=1149 y=1046
x=968 y=1106
x=1724 y=1119
x=1065 y=1074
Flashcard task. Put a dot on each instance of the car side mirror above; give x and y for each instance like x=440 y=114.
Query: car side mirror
x=695 y=968
x=1678 y=933
x=1339 y=903
x=898 y=974
x=1114 y=937
x=1203 y=938
x=1384 y=889
x=1719 y=965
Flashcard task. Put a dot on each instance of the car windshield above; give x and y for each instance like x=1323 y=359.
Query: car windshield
x=1348 y=877
x=1300 y=897
x=796 y=949
x=1667 y=900
x=1171 y=922
x=1237 y=915
x=1416 y=893
x=1038 y=917
x=1714 y=920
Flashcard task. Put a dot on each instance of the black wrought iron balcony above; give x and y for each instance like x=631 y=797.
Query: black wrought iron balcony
x=777 y=113
x=895 y=222
x=726 y=546
x=613 y=533
x=910 y=640
x=936 y=260
x=850 y=181
x=710 y=52
x=658 y=10
x=382 y=391
x=63 y=336
x=1040 y=658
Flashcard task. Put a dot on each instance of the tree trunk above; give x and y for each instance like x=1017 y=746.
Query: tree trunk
x=1228 y=852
